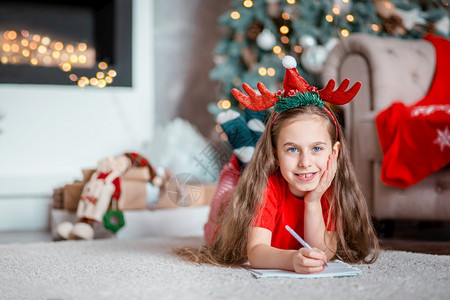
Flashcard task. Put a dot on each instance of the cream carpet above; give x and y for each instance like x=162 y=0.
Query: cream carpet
x=146 y=269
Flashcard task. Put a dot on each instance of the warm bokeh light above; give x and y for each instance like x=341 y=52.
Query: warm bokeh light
x=290 y=1
x=286 y=16
x=235 y=15
x=33 y=45
x=70 y=48
x=262 y=71
x=82 y=59
x=336 y=10
x=23 y=47
x=112 y=73
x=226 y=104
x=93 y=81
x=73 y=58
x=102 y=65
x=45 y=40
x=59 y=46
x=66 y=67
x=375 y=27
x=6 y=47
x=42 y=49
x=56 y=54
x=12 y=35
x=345 y=33
x=101 y=83
x=271 y=72
x=82 y=83
x=15 y=48
x=82 y=47
x=350 y=18
x=276 y=49
x=25 y=33
x=284 y=39
x=85 y=79
x=248 y=3
x=73 y=77
x=298 y=49
x=284 y=29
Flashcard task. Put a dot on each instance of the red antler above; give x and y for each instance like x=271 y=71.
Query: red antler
x=339 y=96
x=254 y=101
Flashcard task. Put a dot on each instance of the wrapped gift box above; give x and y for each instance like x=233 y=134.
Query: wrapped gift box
x=58 y=198
x=133 y=189
x=72 y=194
x=193 y=194
x=133 y=193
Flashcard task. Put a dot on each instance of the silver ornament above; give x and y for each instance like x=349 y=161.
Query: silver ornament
x=313 y=58
x=266 y=40
x=307 y=41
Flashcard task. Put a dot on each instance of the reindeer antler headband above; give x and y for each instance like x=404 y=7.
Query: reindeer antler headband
x=297 y=92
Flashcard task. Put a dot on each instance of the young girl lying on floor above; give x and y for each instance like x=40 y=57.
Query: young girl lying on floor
x=300 y=175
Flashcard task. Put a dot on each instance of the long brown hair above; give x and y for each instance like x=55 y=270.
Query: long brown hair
x=357 y=240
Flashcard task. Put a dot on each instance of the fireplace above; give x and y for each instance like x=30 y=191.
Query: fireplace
x=66 y=42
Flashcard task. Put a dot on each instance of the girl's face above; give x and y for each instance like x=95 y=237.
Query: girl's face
x=303 y=149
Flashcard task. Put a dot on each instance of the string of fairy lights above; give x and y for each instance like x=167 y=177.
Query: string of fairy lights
x=284 y=30
x=26 y=48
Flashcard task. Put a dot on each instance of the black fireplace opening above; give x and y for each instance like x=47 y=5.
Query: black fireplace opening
x=66 y=42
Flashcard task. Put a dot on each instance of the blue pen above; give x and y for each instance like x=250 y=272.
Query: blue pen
x=300 y=240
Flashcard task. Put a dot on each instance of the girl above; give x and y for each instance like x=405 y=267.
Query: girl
x=300 y=175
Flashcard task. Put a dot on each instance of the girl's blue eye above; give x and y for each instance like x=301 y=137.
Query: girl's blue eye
x=317 y=149
x=292 y=150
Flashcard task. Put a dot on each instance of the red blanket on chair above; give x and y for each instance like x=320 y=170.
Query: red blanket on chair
x=416 y=139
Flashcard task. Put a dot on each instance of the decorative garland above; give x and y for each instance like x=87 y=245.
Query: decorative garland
x=299 y=99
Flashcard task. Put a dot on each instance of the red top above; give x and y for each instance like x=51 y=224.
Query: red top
x=282 y=208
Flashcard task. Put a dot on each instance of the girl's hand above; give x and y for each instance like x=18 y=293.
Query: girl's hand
x=325 y=180
x=307 y=261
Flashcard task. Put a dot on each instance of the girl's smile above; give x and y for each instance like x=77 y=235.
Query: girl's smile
x=306 y=176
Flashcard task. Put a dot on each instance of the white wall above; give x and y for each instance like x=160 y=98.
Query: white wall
x=49 y=132
x=174 y=36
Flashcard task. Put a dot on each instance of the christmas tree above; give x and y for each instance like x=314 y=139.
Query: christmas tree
x=260 y=33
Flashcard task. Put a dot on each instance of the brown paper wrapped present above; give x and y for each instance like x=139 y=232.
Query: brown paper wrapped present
x=58 y=198
x=72 y=194
x=133 y=190
x=133 y=193
x=193 y=194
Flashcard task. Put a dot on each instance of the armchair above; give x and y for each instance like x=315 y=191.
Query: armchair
x=390 y=69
